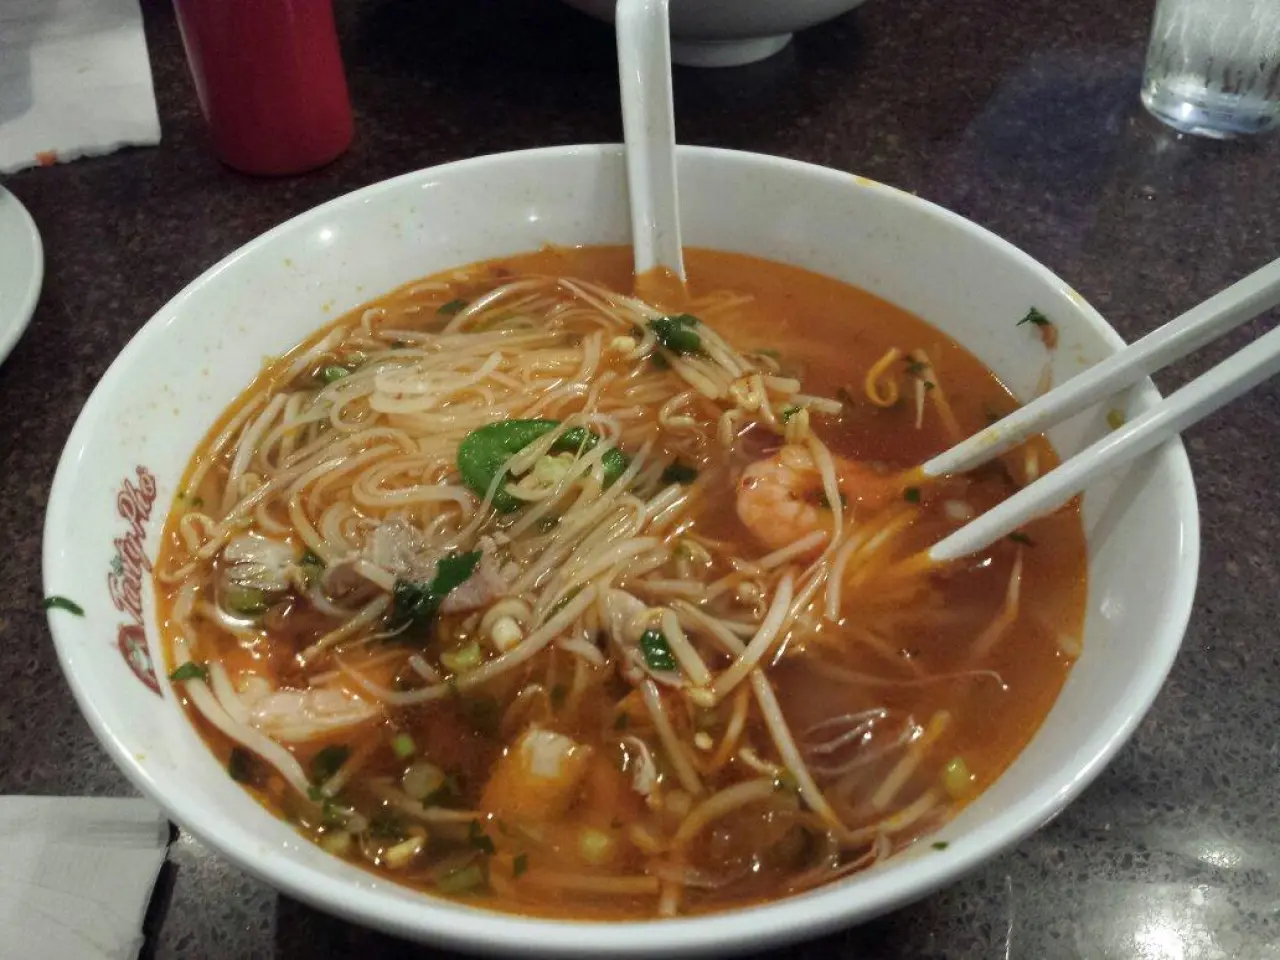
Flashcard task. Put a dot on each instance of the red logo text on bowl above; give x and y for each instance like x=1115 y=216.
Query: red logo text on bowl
x=124 y=582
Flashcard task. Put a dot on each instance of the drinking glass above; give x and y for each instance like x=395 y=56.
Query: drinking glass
x=1213 y=66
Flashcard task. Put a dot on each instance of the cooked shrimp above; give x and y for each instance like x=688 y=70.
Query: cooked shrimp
x=781 y=499
x=294 y=716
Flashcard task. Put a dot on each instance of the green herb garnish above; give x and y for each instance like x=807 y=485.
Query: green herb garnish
x=676 y=333
x=1115 y=419
x=386 y=826
x=62 y=603
x=657 y=652
x=679 y=473
x=333 y=373
x=479 y=839
x=483 y=452
x=463 y=880
x=402 y=746
x=242 y=767
x=452 y=307
x=911 y=494
x=417 y=603
x=788 y=413
x=940 y=845
x=660 y=361
x=191 y=670
x=1022 y=538
x=328 y=761
x=1036 y=317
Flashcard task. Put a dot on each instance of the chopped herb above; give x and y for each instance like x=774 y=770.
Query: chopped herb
x=330 y=813
x=657 y=653
x=62 y=603
x=621 y=721
x=386 y=825
x=519 y=865
x=464 y=658
x=484 y=451
x=479 y=839
x=463 y=880
x=1022 y=538
x=660 y=361
x=328 y=761
x=676 y=333
x=246 y=601
x=333 y=373
x=916 y=368
x=911 y=494
x=190 y=671
x=558 y=693
x=310 y=559
x=402 y=746
x=242 y=767
x=452 y=307
x=117 y=564
x=417 y=603
x=1115 y=419
x=1036 y=317
x=679 y=473
x=940 y=845
x=788 y=413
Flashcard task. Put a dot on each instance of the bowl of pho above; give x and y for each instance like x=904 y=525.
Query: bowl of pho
x=503 y=606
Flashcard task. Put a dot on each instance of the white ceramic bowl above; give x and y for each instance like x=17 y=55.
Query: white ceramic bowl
x=729 y=33
x=132 y=441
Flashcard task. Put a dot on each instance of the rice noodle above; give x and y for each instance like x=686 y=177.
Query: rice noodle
x=536 y=573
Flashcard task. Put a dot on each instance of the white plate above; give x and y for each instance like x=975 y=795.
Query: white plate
x=21 y=270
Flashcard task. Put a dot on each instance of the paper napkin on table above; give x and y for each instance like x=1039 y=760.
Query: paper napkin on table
x=74 y=81
x=76 y=874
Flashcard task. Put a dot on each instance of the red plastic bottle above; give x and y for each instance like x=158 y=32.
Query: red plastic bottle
x=270 y=81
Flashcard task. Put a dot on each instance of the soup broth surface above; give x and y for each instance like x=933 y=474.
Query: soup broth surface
x=654 y=670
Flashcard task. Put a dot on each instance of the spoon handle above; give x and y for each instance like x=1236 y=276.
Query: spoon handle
x=648 y=124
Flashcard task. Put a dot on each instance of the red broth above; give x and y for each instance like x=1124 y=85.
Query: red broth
x=904 y=706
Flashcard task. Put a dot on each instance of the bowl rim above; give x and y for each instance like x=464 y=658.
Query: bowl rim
x=444 y=922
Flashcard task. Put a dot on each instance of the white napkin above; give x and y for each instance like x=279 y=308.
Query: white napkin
x=74 y=81
x=76 y=874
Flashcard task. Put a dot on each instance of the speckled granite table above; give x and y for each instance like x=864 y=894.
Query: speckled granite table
x=1021 y=116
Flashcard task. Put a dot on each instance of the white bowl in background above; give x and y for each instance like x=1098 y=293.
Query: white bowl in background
x=131 y=444
x=729 y=33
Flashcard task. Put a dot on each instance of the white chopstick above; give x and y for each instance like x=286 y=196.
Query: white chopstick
x=1260 y=360
x=649 y=131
